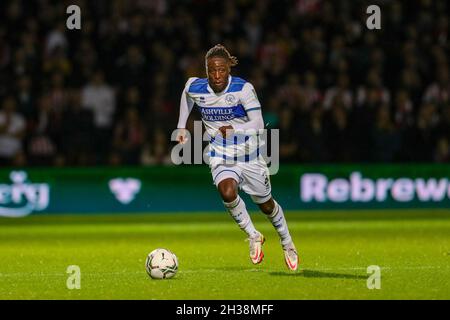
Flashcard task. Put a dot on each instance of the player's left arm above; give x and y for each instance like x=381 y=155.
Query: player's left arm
x=251 y=104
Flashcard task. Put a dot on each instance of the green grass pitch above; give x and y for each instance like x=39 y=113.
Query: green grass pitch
x=412 y=248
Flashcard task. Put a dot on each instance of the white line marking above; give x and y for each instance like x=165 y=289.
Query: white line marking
x=200 y=270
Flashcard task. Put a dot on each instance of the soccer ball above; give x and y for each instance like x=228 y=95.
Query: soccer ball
x=161 y=264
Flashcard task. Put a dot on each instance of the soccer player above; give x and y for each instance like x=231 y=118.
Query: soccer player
x=229 y=106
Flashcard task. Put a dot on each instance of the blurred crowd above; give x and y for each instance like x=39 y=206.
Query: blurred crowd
x=108 y=94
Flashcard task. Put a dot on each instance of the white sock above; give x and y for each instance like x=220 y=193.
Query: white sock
x=238 y=211
x=279 y=222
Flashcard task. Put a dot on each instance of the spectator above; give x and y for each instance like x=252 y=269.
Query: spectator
x=12 y=131
x=421 y=139
x=129 y=137
x=340 y=142
x=291 y=92
x=131 y=68
x=41 y=147
x=313 y=137
x=439 y=92
x=25 y=96
x=442 y=151
x=78 y=130
x=288 y=136
x=310 y=91
x=403 y=112
x=100 y=98
x=341 y=91
x=156 y=152
x=385 y=138
x=373 y=86
x=443 y=128
x=57 y=62
x=56 y=39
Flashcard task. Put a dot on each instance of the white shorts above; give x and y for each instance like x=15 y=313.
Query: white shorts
x=253 y=178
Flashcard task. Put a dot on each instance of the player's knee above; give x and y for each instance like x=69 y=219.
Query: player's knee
x=228 y=194
x=228 y=191
x=267 y=207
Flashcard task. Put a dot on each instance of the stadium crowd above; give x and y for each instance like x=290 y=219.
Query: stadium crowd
x=108 y=94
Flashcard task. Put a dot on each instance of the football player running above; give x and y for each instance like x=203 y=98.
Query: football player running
x=230 y=109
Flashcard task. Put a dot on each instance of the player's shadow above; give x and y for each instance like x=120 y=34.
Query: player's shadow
x=319 y=274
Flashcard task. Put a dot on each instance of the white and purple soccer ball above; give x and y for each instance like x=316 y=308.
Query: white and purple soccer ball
x=161 y=264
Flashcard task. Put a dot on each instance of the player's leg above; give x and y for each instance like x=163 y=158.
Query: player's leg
x=228 y=189
x=227 y=181
x=256 y=183
x=275 y=214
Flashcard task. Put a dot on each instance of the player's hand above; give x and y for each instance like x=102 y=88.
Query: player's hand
x=223 y=130
x=182 y=136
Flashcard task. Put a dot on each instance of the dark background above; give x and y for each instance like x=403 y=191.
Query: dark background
x=108 y=94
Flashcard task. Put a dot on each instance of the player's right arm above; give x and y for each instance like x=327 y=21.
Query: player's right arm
x=186 y=104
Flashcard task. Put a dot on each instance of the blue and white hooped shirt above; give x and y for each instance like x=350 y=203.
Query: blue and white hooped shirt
x=229 y=107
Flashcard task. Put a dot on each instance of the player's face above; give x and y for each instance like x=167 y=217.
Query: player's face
x=218 y=72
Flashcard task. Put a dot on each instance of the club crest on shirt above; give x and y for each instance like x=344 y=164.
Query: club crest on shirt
x=230 y=99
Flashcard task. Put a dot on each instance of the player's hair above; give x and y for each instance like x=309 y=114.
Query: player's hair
x=220 y=51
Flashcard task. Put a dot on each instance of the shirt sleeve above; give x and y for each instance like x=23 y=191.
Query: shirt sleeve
x=249 y=99
x=251 y=104
x=186 y=104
